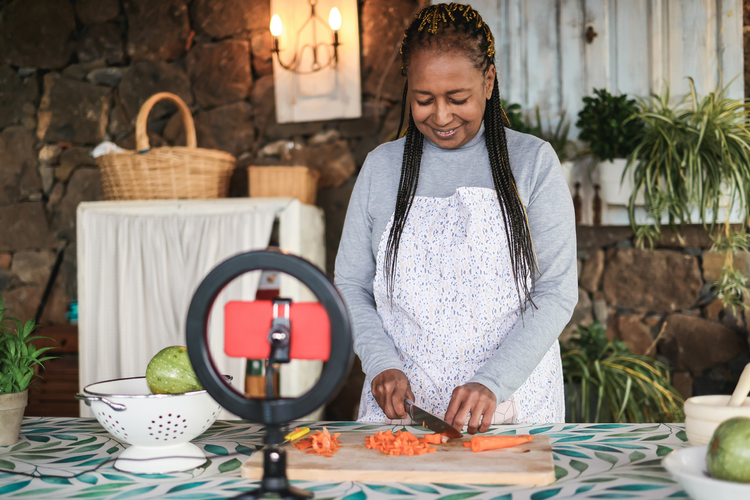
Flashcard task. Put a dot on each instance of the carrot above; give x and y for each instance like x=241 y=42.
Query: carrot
x=433 y=438
x=401 y=443
x=322 y=443
x=484 y=443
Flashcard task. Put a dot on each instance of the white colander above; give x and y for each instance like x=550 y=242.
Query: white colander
x=159 y=427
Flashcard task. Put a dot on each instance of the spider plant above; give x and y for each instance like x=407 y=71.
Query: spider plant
x=694 y=155
x=608 y=383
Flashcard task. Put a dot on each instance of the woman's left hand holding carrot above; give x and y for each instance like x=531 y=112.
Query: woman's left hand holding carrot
x=474 y=399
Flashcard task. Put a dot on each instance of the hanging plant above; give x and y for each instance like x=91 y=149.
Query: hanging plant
x=695 y=155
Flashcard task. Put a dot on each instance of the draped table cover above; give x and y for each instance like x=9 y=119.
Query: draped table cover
x=73 y=458
x=139 y=263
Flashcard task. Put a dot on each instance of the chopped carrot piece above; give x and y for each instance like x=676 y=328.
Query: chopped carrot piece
x=322 y=443
x=401 y=443
x=484 y=443
x=433 y=438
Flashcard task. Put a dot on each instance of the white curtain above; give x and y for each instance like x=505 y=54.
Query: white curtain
x=139 y=265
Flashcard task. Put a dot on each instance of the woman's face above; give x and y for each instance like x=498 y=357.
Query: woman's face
x=448 y=96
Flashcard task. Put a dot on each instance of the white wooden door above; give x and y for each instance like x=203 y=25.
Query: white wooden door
x=545 y=60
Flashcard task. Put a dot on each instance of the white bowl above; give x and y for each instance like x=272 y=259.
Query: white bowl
x=688 y=467
x=703 y=414
x=159 y=427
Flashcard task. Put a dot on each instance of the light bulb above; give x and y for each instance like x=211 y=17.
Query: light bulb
x=276 y=27
x=334 y=19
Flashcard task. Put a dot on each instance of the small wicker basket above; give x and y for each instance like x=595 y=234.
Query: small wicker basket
x=179 y=172
x=274 y=182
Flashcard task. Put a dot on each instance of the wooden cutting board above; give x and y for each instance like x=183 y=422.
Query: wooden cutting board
x=528 y=464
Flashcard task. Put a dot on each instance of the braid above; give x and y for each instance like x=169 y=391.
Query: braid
x=407 y=188
x=403 y=109
x=460 y=27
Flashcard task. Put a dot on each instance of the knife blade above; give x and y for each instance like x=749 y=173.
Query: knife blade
x=435 y=424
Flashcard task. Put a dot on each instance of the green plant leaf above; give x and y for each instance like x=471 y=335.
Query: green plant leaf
x=606 y=457
x=55 y=480
x=37 y=493
x=542 y=495
x=85 y=441
x=323 y=487
x=244 y=450
x=570 y=453
x=5 y=464
x=359 y=495
x=460 y=496
x=663 y=450
x=10 y=488
x=560 y=472
x=88 y=478
x=20 y=446
x=38 y=439
x=389 y=490
x=578 y=465
x=186 y=486
x=135 y=492
x=421 y=488
x=453 y=486
x=71 y=460
x=215 y=449
x=636 y=455
x=635 y=487
x=65 y=437
x=230 y=465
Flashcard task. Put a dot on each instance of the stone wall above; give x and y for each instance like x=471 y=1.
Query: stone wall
x=659 y=302
x=74 y=73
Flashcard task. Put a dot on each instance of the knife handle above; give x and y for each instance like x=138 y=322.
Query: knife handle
x=410 y=411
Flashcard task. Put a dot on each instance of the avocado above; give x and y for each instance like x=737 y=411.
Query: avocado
x=170 y=372
x=728 y=455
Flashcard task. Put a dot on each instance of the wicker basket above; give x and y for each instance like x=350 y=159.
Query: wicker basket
x=166 y=172
x=275 y=182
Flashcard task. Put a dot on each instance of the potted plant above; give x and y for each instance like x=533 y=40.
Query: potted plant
x=607 y=123
x=692 y=160
x=558 y=139
x=18 y=360
x=606 y=382
x=557 y=136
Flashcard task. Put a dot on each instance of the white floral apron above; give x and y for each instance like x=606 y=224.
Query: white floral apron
x=454 y=303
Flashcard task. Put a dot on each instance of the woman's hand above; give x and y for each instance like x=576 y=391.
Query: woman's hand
x=390 y=388
x=475 y=399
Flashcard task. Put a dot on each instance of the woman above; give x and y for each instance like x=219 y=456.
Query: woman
x=458 y=256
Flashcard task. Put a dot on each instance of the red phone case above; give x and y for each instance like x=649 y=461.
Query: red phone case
x=246 y=326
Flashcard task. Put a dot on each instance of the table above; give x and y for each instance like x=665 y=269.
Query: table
x=592 y=461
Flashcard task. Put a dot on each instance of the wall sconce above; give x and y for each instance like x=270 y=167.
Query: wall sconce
x=316 y=77
x=334 y=21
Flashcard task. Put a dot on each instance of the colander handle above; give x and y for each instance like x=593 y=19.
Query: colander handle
x=89 y=399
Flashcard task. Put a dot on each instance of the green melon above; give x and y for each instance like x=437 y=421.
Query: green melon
x=728 y=455
x=170 y=372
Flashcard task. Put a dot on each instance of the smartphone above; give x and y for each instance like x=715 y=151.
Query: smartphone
x=246 y=326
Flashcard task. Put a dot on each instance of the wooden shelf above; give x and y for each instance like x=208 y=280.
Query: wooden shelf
x=55 y=396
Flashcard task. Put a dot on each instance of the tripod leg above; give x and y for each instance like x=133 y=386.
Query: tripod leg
x=274 y=479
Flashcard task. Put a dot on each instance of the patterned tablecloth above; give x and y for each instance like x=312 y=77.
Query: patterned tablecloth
x=592 y=461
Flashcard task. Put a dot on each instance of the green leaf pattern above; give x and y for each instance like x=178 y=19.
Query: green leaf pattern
x=591 y=461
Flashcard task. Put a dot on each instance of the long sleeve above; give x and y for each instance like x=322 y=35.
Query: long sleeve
x=355 y=272
x=552 y=223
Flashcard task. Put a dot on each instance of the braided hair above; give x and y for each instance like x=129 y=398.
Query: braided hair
x=459 y=27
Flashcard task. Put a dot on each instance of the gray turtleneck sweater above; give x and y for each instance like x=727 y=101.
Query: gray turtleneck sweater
x=545 y=194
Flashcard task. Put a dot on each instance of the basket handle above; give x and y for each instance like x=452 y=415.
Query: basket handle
x=141 y=135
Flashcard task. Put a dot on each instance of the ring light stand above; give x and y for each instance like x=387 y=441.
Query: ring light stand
x=274 y=413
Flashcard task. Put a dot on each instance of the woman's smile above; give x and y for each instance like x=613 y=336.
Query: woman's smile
x=446 y=134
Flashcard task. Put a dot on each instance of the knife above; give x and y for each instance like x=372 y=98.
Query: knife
x=418 y=415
